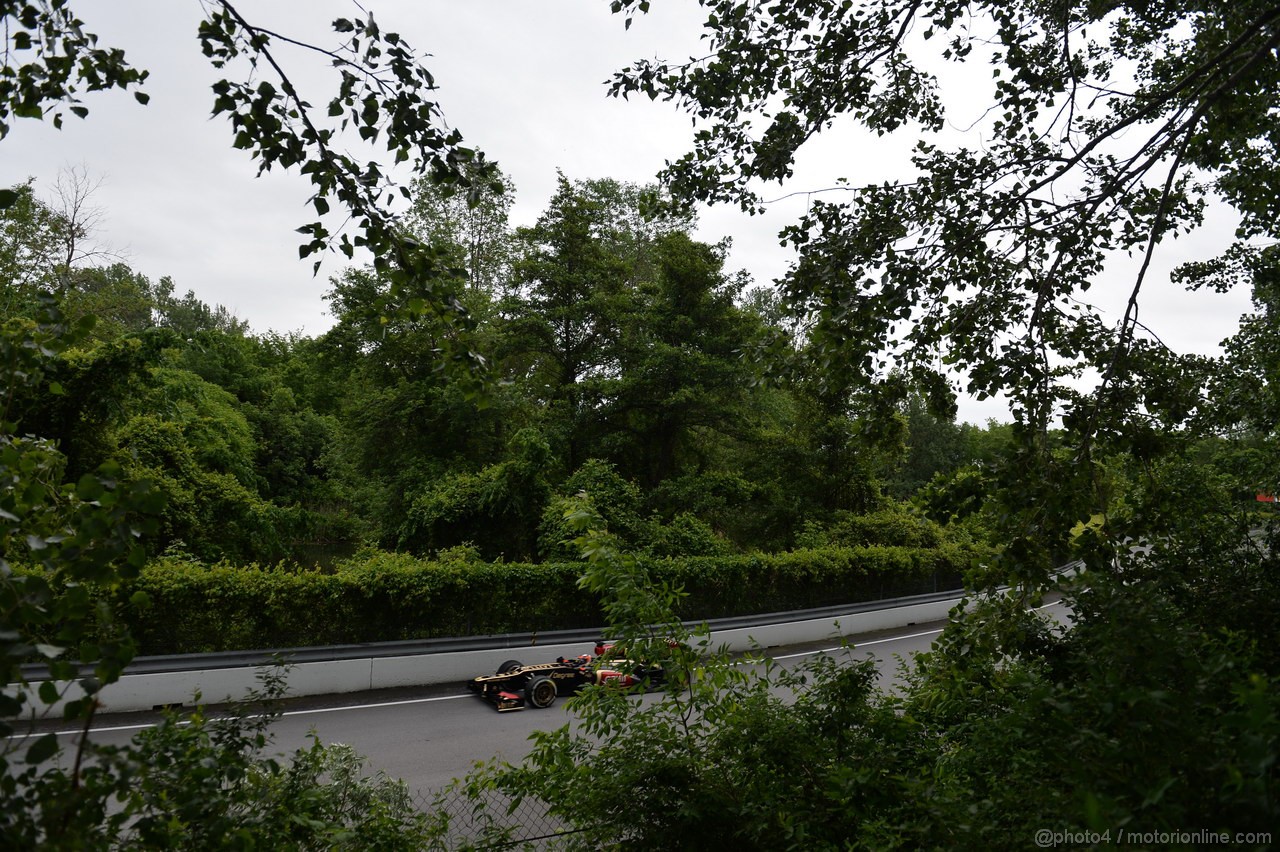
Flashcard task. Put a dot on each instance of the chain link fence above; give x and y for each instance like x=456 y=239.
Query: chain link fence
x=490 y=819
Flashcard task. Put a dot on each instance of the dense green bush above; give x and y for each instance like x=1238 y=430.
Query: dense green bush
x=687 y=535
x=497 y=507
x=615 y=498
x=618 y=501
x=378 y=596
x=211 y=512
x=893 y=526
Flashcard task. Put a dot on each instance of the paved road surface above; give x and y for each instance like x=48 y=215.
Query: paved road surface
x=430 y=735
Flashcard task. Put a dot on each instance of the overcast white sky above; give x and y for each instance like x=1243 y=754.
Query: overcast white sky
x=522 y=80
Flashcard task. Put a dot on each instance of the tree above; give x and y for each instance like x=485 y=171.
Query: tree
x=404 y=422
x=73 y=192
x=1110 y=126
x=1107 y=130
x=1243 y=387
x=28 y=246
x=575 y=280
x=60 y=543
x=933 y=446
x=497 y=508
x=191 y=439
x=382 y=96
x=189 y=315
x=682 y=383
x=615 y=499
x=53 y=246
x=478 y=228
x=123 y=301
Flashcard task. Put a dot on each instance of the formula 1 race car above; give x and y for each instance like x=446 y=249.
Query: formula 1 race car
x=516 y=686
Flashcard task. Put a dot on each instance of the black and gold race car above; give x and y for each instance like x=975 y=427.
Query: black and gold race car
x=516 y=686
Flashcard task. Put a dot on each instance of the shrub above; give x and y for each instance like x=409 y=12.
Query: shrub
x=892 y=526
x=498 y=505
x=616 y=499
x=686 y=535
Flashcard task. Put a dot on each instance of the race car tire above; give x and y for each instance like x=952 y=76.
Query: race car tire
x=508 y=666
x=540 y=692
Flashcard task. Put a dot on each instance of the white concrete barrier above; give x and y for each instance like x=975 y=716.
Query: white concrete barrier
x=852 y=624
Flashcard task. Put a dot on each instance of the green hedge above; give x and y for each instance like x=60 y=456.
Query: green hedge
x=718 y=587
x=388 y=596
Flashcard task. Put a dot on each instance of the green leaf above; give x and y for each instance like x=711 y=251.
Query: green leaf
x=89 y=488
x=48 y=692
x=43 y=749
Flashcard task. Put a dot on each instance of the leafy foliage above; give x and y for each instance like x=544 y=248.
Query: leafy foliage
x=503 y=502
x=184 y=784
x=28 y=243
x=1136 y=719
x=79 y=536
x=198 y=782
x=66 y=550
x=381 y=95
x=620 y=343
x=1107 y=130
x=476 y=226
x=617 y=501
x=64 y=61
